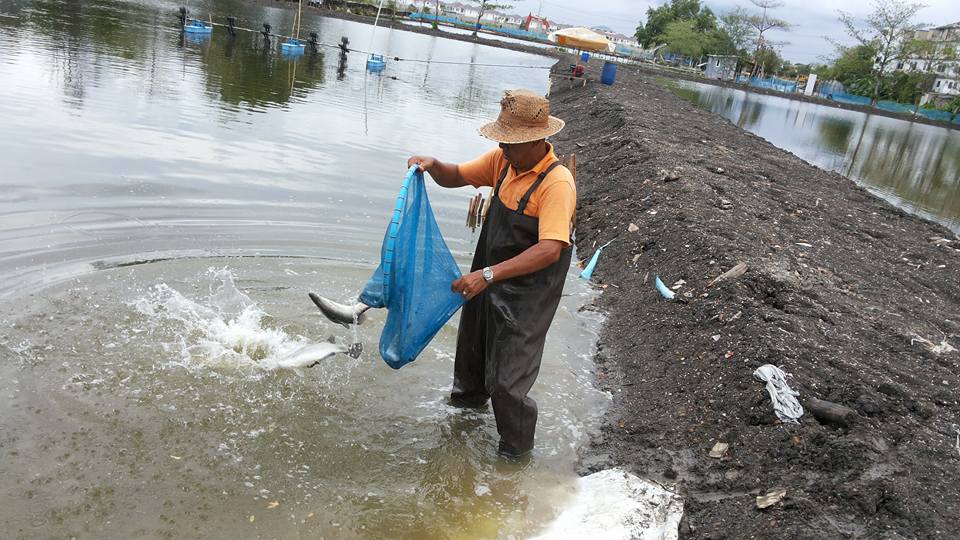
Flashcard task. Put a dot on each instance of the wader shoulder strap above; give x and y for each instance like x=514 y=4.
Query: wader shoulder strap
x=522 y=205
x=503 y=176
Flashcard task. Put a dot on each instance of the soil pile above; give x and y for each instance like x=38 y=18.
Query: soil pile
x=857 y=301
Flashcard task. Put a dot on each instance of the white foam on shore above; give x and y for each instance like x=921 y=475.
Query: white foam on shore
x=613 y=505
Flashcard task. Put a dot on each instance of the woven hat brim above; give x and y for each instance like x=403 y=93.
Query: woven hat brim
x=496 y=131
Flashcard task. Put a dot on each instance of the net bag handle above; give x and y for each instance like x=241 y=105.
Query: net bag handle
x=394 y=228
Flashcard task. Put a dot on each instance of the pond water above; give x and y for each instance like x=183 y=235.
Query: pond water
x=913 y=166
x=166 y=205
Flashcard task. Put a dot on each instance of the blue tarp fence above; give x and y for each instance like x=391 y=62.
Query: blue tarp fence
x=770 y=83
x=835 y=91
x=516 y=32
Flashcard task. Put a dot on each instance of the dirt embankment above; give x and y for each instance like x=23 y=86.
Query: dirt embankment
x=857 y=301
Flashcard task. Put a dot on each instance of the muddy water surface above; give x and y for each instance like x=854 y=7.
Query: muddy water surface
x=166 y=204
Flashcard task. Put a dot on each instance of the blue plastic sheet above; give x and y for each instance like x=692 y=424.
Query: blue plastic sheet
x=414 y=276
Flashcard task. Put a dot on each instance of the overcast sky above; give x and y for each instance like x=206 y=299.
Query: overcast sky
x=813 y=19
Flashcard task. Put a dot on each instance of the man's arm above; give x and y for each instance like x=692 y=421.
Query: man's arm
x=534 y=258
x=445 y=174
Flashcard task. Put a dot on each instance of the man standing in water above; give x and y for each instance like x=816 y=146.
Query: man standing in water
x=519 y=267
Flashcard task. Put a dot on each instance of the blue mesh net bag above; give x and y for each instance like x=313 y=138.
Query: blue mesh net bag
x=414 y=276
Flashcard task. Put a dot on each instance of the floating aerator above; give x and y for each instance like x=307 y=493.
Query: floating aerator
x=376 y=63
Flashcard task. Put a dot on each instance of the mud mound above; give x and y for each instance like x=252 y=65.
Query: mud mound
x=857 y=301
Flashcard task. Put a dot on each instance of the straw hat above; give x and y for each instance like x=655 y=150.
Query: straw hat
x=524 y=117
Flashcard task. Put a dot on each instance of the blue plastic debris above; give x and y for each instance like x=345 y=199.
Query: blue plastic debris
x=414 y=277
x=663 y=290
x=587 y=272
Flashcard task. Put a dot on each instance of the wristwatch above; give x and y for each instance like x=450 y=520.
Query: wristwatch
x=488 y=274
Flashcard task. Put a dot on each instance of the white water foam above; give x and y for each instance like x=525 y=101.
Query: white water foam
x=225 y=330
x=616 y=505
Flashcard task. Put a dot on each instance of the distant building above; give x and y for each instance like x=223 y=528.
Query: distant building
x=721 y=67
x=515 y=20
x=946 y=72
x=616 y=37
x=464 y=12
x=468 y=13
x=494 y=17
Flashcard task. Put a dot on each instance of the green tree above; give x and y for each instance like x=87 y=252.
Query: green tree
x=761 y=23
x=854 y=68
x=767 y=61
x=720 y=42
x=676 y=10
x=683 y=38
x=737 y=28
x=953 y=107
x=887 y=31
x=788 y=69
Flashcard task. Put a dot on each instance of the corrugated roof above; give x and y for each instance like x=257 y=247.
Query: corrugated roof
x=948 y=26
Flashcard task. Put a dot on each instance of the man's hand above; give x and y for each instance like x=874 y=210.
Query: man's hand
x=444 y=174
x=424 y=162
x=470 y=285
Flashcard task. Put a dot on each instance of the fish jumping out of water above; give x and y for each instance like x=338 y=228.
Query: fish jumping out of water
x=340 y=313
x=311 y=355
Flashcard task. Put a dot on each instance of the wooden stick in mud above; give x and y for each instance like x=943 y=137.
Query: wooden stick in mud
x=830 y=413
x=474 y=208
x=473 y=201
x=477 y=211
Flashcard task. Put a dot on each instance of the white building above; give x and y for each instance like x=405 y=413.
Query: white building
x=721 y=67
x=514 y=19
x=617 y=38
x=494 y=17
x=464 y=12
x=946 y=72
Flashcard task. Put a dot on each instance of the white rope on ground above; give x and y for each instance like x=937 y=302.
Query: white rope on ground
x=784 y=399
x=958 y=438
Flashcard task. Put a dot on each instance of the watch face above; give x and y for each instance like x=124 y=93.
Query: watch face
x=487 y=274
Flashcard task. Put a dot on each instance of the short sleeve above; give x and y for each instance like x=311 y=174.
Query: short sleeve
x=558 y=204
x=482 y=171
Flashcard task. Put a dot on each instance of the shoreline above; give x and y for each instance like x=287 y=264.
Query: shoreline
x=646 y=69
x=425 y=30
x=853 y=298
x=640 y=66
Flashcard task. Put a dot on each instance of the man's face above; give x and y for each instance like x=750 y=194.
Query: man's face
x=519 y=154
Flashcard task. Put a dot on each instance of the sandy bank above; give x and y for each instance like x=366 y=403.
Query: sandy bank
x=858 y=301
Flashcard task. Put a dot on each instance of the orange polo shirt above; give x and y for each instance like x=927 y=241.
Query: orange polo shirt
x=554 y=203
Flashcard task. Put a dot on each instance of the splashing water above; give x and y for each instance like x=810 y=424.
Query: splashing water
x=225 y=330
